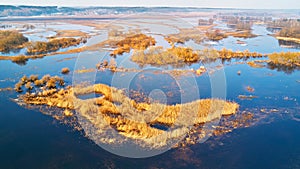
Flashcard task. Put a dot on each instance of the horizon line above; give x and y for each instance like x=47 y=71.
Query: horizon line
x=130 y=6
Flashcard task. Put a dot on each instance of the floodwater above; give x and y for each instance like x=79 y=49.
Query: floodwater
x=263 y=43
x=30 y=139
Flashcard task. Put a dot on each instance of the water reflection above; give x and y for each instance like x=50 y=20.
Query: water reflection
x=288 y=44
x=274 y=29
x=21 y=62
x=282 y=68
x=83 y=153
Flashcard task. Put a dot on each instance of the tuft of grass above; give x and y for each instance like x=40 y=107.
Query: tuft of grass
x=28 y=86
x=47 y=82
x=18 y=87
x=33 y=78
x=21 y=59
x=65 y=70
x=38 y=83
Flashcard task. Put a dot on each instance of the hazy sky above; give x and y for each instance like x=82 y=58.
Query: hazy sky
x=273 y=4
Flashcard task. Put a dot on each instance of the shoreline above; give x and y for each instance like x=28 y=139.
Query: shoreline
x=297 y=40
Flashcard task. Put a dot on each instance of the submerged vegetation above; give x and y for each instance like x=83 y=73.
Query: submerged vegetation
x=11 y=40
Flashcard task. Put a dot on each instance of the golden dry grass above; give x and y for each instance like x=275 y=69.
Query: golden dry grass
x=129 y=118
x=70 y=33
x=65 y=70
x=241 y=34
x=285 y=58
x=137 y=41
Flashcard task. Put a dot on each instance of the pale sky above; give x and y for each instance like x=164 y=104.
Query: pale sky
x=249 y=4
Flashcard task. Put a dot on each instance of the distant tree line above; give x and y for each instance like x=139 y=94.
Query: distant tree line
x=289 y=27
x=215 y=35
x=244 y=18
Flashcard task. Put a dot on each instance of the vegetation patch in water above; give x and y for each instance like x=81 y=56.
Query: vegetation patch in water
x=33 y=82
x=255 y=64
x=285 y=58
x=138 y=41
x=160 y=56
x=247 y=97
x=129 y=118
x=69 y=33
x=11 y=40
x=289 y=27
x=216 y=35
x=241 y=34
x=52 y=45
x=65 y=70
x=197 y=34
x=180 y=56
